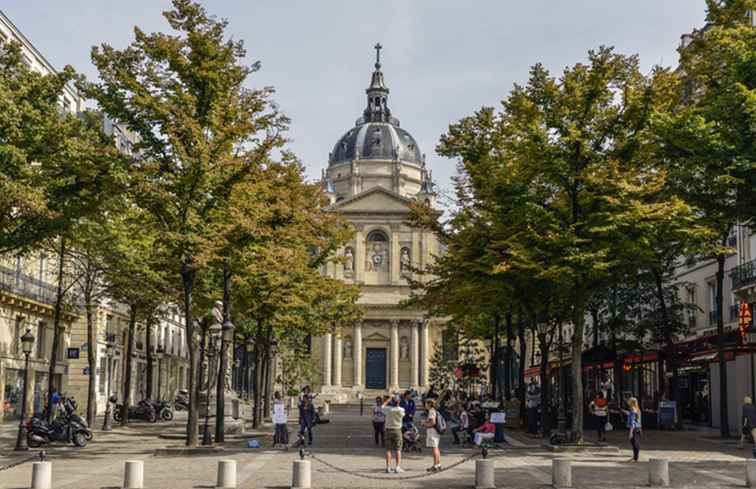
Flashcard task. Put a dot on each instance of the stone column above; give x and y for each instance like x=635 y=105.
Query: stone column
x=338 y=354
x=414 y=355
x=394 y=369
x=327 y=357
x=425 y=364
x=359 y=256
x=357 y=355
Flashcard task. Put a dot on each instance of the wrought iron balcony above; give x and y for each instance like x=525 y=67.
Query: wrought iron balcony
x=27 y=286
x=743 y=275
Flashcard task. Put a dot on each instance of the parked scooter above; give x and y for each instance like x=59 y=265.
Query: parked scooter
x=143 y=410
x=181 y=402
x=67 y=426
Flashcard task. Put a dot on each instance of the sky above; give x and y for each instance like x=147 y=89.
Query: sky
x=442 y=59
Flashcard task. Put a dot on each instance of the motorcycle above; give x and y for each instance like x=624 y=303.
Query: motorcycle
x=67 y=426
x=163 y=409
x=143 y=410
x=181 y=402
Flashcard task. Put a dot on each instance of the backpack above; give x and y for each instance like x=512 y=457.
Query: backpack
x=440 y=424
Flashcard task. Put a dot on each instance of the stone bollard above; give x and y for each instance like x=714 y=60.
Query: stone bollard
x=300 y=477
x=561 y=473
x=133 y=474
x=235 y=409
x=226 y=474
x=658 y=472
x=751 y=473
x=41 y=475
x=484 y=474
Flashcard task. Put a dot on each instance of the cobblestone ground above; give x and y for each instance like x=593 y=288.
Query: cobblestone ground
x=697 y=459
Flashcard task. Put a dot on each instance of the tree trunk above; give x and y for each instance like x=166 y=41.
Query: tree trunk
x=523 y=360
x=494 y=368
x=257 y=362
x=545 y=386
x=670 y=352
x=578 y=321
x=724 y=419
x=187 y=278
x=130 y=347
x=508 y=358
x=150 y=357
x=57 y=313
x=92 y=362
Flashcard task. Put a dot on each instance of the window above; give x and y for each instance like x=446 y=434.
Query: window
x=377 y=236
x=450 y=345
x=41 y=340
x=712 y=297
x=42 y=271
x=17 y=334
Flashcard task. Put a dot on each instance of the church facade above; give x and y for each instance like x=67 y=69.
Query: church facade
x=375 y=171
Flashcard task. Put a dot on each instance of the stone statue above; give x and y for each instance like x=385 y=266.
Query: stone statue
x=403 y=348
x=217 y=313
x=404 y=260
x=348 y=348
x=349 y=264
x=377 y=258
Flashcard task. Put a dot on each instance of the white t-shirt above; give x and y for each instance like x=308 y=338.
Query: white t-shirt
x=432 y=422
x=279 y=413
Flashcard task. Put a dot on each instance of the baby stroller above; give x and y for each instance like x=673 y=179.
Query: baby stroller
x=410 y=437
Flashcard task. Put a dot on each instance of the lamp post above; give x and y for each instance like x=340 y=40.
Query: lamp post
x=226 y=338
x=273 y=350
x=107 y=424
x=207 y=438
x=27 y=343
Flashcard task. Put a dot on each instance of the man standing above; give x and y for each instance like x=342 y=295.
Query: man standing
x=432 y=434
x=409 y=407
x=532 y=402
x=393 y=413
x=306 y=419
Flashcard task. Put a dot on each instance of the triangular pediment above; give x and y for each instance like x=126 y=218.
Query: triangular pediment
x=376 y=337
x=377 y=199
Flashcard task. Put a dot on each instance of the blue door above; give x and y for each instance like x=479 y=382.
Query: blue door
x=375 y=368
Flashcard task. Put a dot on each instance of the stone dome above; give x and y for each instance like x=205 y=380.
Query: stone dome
x=376 y=141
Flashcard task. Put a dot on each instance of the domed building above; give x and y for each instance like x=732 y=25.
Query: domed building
x=376 y=169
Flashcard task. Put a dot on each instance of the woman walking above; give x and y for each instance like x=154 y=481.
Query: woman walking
x=634 y=426
x=379 y=422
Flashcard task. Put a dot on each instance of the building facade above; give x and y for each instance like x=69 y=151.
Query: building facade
x=375 y=171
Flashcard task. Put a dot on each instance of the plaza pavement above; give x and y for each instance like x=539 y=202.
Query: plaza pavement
x=697 y=459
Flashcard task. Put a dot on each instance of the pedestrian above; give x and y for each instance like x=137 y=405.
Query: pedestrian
x=280 y=418
x=634 y=426
x=432 y=433
x=361 y=397
x=306 y=419
x=486 y=431
x=463 y=424
x=600 y=408
x=533 y=402
x=379 y=422
x=749 y=421
x=409 y=407
x=394 y=414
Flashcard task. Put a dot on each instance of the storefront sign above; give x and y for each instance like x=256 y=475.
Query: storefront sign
x=744 y=320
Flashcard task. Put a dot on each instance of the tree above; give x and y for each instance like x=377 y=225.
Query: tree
x=571 y=154
x=708 y=139
x=201 y=133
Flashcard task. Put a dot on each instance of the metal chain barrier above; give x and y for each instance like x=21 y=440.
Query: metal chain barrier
x=303 y=453
x=39 y=456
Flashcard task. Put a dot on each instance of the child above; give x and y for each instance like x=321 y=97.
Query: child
x=280 y=418
x=486 y=431
x=379 y=421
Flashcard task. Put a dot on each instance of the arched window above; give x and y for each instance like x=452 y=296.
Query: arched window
x=377 y=236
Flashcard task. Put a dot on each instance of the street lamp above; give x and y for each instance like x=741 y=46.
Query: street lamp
x=27 y=344
x=207 y=438
x=107 y=424
x=226 y=338
x=249 y=347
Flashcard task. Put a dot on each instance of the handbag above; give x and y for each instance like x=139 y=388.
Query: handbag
x=608 y=426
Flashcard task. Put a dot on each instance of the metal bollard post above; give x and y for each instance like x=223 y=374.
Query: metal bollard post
x=41 y=475
x=226 y=474
x=484 y=474
x=561 y=473
x=133 y=474
x=751 y=473
x=658 y=472
x=300 y=477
